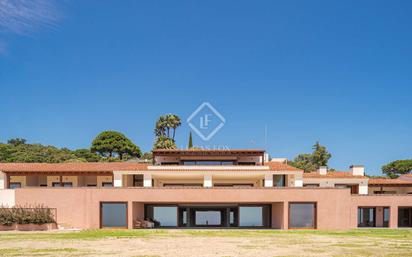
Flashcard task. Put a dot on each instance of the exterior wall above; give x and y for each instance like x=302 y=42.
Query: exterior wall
x=18 y=179
x=3 y=180
x=81 y=206
x=391 y=201
x=278 y=219
x=331 y=182
x=7 y=197
x=298 y=180
x=103 y=179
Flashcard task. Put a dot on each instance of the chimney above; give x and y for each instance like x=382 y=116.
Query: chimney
x=266 y=157
x=323 y=170
x=357 y=170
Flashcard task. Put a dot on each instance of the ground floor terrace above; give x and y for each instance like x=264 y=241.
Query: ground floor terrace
x=276 y=208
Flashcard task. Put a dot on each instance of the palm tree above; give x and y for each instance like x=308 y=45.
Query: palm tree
x=174 y=123
x=163 y=127
x=160 y=127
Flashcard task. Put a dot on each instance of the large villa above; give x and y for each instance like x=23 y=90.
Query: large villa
x=207 y=188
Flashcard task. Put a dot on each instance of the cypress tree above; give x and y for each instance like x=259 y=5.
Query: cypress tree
x=190 y=145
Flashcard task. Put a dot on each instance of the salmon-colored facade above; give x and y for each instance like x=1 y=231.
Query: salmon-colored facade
x=205 y=189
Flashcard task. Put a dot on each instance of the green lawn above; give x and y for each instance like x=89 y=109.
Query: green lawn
x=120 y=233
x=190 y=242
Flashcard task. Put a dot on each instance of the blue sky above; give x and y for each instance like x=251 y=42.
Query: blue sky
x=335 y=71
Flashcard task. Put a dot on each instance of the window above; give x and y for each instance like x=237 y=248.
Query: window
x=386 y=215
x=56 y=184
x=247 y=163
x=208 y=218
x=254 y=216
x=163 y=216
x=217 y=163
x=113 y=215
x=279 y=180
x=231 y=218
x=91 y=185
x=107 y=184
x=67 y=184
x=311 y=185
x=14 y=185
x=366 y=217
x=405 y=217
x=138 y=180
x=64 y=184
x=182 y=185
x=170 y=163
x=302 y=215
x=232 y=185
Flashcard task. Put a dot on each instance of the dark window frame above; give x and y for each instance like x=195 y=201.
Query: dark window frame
x=107 y=183
x=146 y=211
x=311 y=185
x=138 y=180
x=360 y=225
x=266 y=223
x=283 y=176
x=409 y=210
x=315 y=215
x=101 y=214
x=386 y=224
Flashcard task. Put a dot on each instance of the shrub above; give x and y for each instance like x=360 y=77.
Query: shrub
x=26 y=215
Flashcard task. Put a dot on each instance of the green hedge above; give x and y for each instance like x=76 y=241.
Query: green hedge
x=26 y=215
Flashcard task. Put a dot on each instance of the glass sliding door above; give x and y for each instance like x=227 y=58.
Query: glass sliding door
x=366 y=217
x=386 y=216
x=208 y=218
x=250 y=216
x=162 y=215
x=279 y=180
x=165 y=216
x=254 y=216
x=302 y=215
x=113 y=215
x=405 y=217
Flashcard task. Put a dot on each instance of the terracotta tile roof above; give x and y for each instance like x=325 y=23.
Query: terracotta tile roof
x=72 y=167
x=331 y=174
x=280 y=166
x=388 y=181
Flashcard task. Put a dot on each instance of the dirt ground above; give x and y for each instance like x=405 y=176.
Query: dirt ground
x=180 y=243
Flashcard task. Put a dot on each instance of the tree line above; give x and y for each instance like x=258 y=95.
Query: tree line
x=115 y=146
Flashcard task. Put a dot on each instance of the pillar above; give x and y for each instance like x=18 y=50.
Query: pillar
x=147 y=180
x=3 y=180
x=117 y=180
x=207 y=181
x=268 y=180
